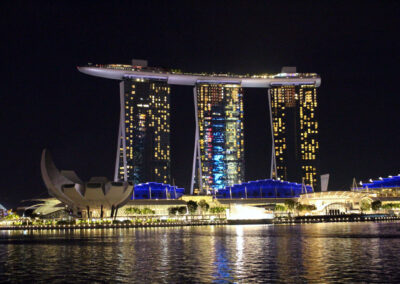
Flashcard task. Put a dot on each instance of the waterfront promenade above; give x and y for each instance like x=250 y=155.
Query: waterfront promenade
x=204 y=222
x=111 y=226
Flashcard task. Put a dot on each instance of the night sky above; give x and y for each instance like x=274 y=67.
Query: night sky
x=46 y=103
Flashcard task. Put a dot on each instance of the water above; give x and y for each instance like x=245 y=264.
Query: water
x=311 y=253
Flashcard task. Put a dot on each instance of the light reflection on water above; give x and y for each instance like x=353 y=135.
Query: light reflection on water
x=313 y=253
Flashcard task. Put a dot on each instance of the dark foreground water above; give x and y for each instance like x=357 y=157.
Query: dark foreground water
x=313 y=253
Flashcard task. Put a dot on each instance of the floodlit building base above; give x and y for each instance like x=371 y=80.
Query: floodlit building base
x=334 y=202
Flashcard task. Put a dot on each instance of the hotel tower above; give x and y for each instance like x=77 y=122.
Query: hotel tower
x=219 y=145
x=295 y=154
x=144 y=145
x=143 y=153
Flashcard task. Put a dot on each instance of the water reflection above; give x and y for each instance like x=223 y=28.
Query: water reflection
x=222 y=271
x=313 y=253
x=239 y=248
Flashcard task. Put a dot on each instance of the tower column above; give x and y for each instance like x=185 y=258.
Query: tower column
x=121 y=136
x=196 y=153
x=273 y=173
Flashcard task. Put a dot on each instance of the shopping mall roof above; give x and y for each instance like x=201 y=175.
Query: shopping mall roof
x=268 y=188
x=391 y=181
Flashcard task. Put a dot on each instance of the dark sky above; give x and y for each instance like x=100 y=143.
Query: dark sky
x=46 y=103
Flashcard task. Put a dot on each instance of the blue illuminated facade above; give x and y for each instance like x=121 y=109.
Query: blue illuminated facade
x=154 y=190
x=267 y=188
x=219 y=145
x=389 y=182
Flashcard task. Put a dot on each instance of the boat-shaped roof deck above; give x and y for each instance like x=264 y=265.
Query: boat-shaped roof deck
x=175 y=77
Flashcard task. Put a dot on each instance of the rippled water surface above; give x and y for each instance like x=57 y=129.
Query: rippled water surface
x=313 y=253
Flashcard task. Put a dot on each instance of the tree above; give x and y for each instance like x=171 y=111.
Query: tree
x=217 y=210
x=146 y=211
x=182 y=210
x=133 y=210
x=365 y=205
x=192 y=206
x=305 y=207
x=376 y=205
x=12 y=216
x=204 y=205
x=389 y=206
x=290 y=204
x=175 y=210
x=172 y=210
x=279 y=207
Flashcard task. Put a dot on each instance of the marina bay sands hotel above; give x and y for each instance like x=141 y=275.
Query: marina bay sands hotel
x=144 y=149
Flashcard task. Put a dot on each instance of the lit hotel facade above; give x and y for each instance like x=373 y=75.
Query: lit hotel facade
x=295 y=134
x=144 y=132
x=218 y=159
